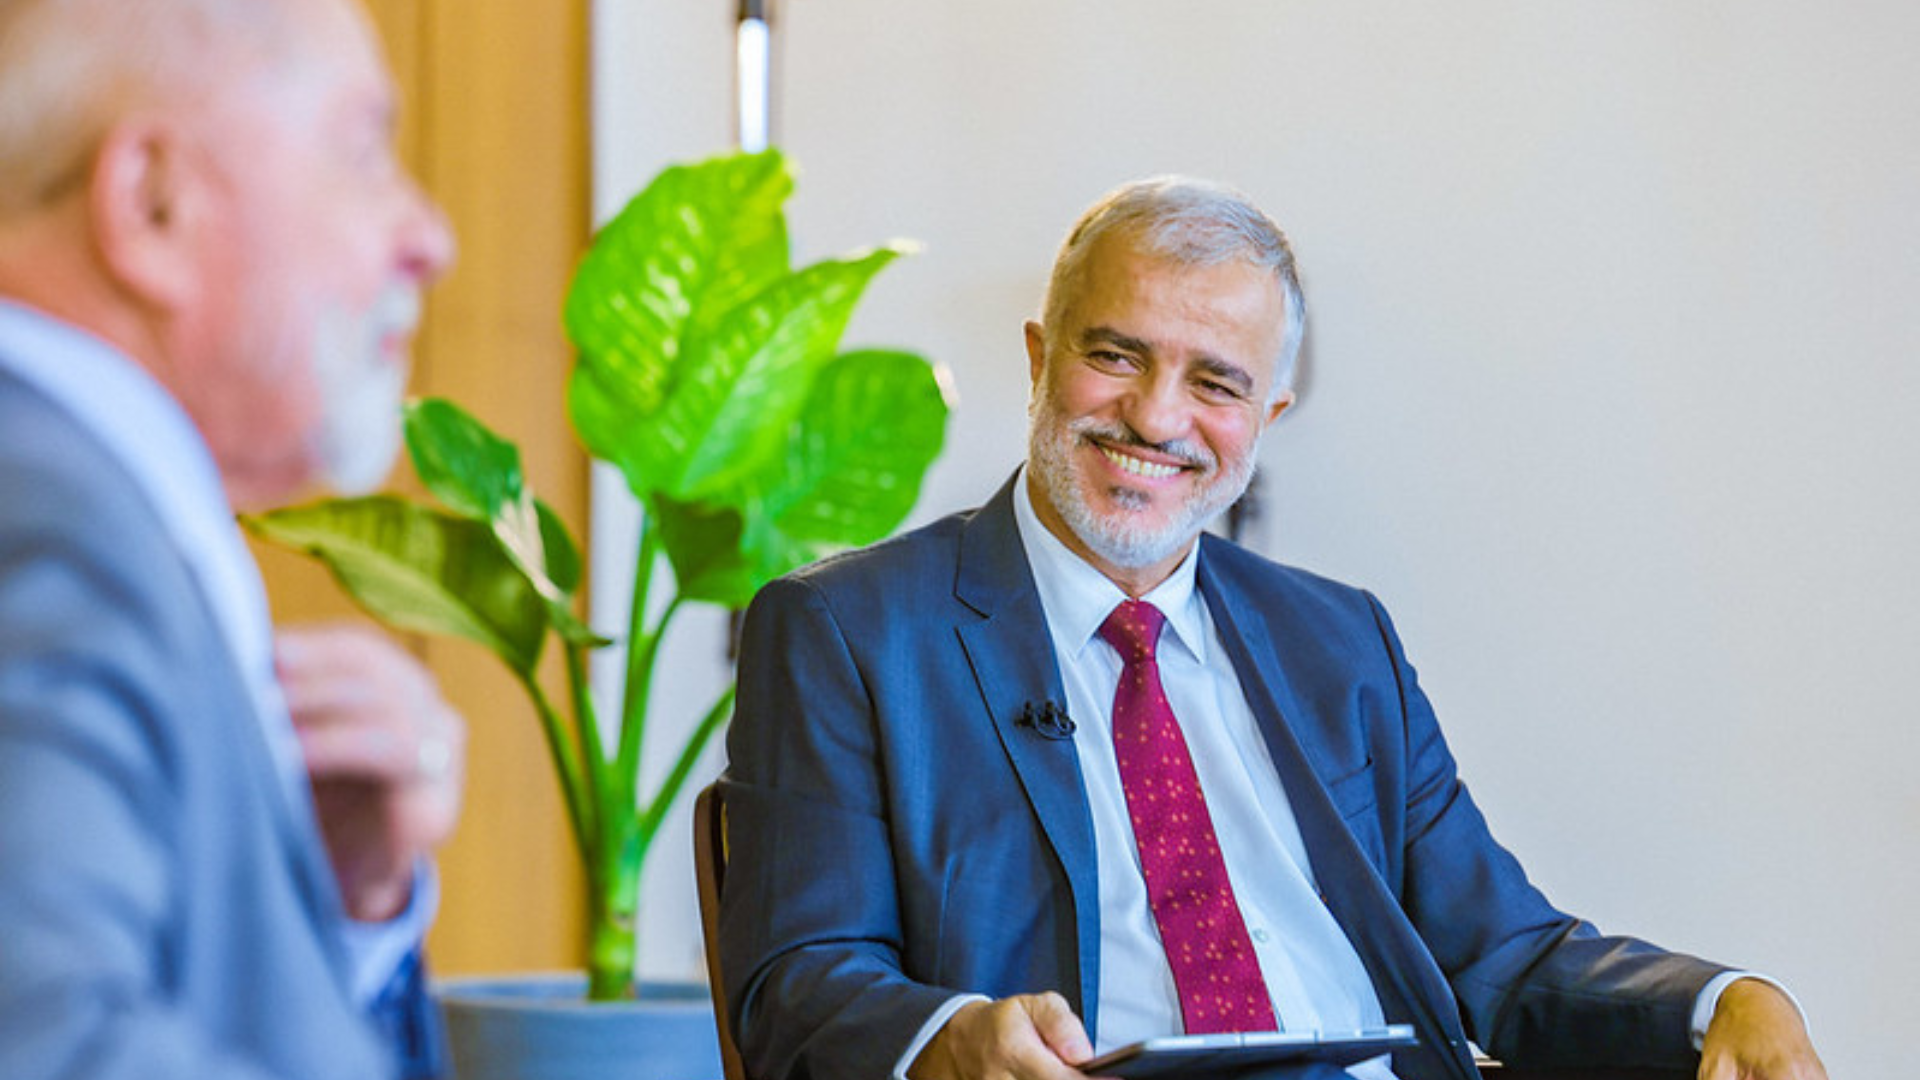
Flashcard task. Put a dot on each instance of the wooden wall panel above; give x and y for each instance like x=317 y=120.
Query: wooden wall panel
x=495 y=125
x=504 y=104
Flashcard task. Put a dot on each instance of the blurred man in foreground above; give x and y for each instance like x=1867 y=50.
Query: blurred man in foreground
x=1061 y=773
x=213 y=839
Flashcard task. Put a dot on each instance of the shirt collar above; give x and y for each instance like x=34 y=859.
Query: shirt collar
x=128 y=411
x=1078 y=598
x=145 y=430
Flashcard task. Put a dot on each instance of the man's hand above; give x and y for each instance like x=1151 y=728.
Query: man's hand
x=385 y=753
x=1757 y=1034
x=1028 y=1037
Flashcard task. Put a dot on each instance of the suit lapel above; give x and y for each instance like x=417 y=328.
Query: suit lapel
x=295 y=823
x=1403 y=972
x=1011 y=656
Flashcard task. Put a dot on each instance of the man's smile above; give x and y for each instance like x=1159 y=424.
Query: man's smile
x=1151 y=470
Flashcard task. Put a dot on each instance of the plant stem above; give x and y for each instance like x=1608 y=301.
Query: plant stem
x=586 y=724
x=633 y=720
x=663 y=799
x=641 y=647
x=611 y=946
x=613 y=924
x=566 y=761
x=614 y=866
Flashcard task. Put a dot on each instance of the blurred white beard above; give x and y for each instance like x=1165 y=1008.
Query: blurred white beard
x=361 y=391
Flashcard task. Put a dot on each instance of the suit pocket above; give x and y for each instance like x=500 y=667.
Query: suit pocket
x=1353 y=794
x=1357 y=800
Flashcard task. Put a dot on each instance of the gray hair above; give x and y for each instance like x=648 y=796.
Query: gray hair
x=1189 y=222
x=70 y=68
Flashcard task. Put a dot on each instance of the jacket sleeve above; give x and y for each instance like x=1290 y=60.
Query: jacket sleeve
x=811 y=933
x=1536 y=987
x=88 y=804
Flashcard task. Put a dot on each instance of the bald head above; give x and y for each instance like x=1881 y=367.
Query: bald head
x=70 y=68
x=210 y=186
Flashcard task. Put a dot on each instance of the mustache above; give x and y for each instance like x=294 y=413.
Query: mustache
x=395 y=311
x=1185 y=451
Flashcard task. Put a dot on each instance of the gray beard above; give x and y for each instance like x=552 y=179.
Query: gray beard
x=359 y=435
x=1123 y=540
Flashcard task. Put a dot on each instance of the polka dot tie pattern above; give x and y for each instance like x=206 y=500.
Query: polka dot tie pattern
x=1214 y=967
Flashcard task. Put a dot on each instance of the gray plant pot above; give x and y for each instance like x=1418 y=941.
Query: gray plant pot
x=541 y=1027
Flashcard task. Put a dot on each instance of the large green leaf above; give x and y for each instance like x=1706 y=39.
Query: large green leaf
x=563 y=555
x=419 y=569
x=466 y=466
x=561 y=558
x=873 y=424
x=744 y=383
x=477 y=475
x=699 y=240
x=855 y=457
x=702 y=543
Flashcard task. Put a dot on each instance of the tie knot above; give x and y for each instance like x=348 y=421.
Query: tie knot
x=1133 y=630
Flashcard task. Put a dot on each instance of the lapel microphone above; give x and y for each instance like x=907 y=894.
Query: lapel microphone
x=1048 y=719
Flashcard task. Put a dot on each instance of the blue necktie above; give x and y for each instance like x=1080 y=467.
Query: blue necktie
x=406 y=1014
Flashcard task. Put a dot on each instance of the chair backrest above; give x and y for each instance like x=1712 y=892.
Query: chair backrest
x=710 y=867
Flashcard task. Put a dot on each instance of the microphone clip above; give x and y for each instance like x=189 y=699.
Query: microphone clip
x=1048 y=719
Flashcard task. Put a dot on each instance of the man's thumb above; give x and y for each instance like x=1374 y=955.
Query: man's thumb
x=1059 y=1027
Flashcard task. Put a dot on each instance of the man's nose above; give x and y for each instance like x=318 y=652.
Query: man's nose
x=427 y=241
x=1157 y=410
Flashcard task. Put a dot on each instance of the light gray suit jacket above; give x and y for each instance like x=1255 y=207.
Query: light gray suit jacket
x=165 y=910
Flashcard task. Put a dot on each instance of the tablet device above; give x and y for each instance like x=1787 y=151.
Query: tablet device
x=1202 y=1056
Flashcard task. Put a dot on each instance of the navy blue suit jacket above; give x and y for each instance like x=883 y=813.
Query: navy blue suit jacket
x=897 y=835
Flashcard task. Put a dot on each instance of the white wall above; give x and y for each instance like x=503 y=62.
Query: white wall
x=1611 y=394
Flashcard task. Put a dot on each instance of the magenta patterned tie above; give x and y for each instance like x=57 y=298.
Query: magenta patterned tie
x=1214 y=968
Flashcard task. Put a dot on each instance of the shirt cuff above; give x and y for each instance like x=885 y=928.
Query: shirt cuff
x=931 y=1028
x=375 y=951
x=1709 y=1000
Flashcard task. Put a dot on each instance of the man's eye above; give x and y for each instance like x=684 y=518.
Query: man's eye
x=1108 y=358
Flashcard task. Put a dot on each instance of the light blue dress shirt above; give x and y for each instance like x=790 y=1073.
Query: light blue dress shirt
x=1316 y=979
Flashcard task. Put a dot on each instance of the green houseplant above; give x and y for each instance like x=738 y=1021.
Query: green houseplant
x=709 y=374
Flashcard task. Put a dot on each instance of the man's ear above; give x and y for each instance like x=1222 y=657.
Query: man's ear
x=142 y=196
x=1036 y=350
x=1280 y=403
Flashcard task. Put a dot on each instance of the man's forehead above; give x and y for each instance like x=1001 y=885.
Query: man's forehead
x=1126 y=269
x=328 y=48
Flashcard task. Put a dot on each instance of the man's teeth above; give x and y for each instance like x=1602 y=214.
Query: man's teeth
x=1148 y=469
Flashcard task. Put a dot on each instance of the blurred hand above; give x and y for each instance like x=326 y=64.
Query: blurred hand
x=1027 y=1037
x=385 y=753
x=1757 y=1034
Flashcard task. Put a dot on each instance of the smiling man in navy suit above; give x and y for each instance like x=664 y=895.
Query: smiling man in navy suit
x=1063 y=773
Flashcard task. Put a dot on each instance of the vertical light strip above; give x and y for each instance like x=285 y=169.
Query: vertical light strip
x=753 y=82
